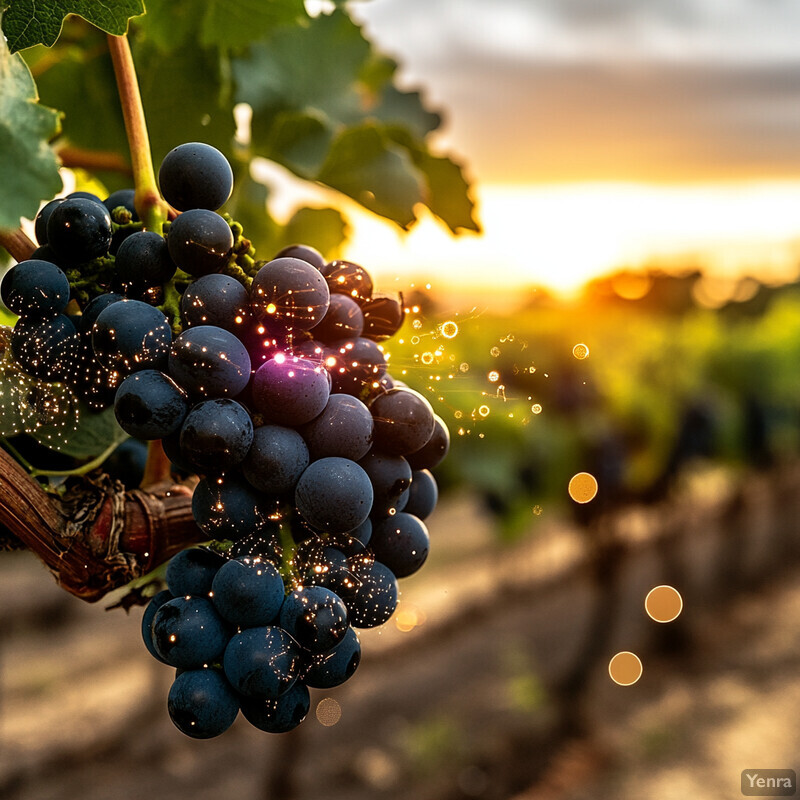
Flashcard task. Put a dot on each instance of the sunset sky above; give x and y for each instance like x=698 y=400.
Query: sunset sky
x=603 y=133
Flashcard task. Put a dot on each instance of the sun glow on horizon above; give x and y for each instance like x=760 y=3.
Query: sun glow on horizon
x=560 y=236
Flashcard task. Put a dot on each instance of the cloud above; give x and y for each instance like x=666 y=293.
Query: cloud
x=549 y=90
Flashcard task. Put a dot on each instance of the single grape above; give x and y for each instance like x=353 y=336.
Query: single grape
x=354 y=542
x=124 y=198
x=343 y=428
x=289 y=390
x=155 y=603
x=150 y=405
x=343 y=320
x=84 y=196
x=195 y=175
x=262 y=662
x=202 y=704
x=334 y=494
x=390 y=477
x=130 y=335
x=401 y=542
x=79 y=230
x=383 y=318
x=192 y=571
x=315 y=617
x=304 y=253
x=188 y=632
x=276 y=460
x=403 y=421
x=216 y=435
x=207 y=361
x=345 y=277
x=40 y=223
x=323 y=566
x=35 y=289
x=423 y=494
x=433 y=452
x=292 y=292
x=143 y=260
x=355 y=365
x=281 y=714
x=200 y=242
x=372 y=593
x=248 y=592
x=333 y=668
x=94 y=308
x=227 y=507
x=216 y=300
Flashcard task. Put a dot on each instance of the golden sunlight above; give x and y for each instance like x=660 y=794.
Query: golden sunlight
x=560 y=236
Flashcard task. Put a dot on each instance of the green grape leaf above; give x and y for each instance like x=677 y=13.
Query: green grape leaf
x=216 y=23
x=94 y=434
x=298 y=140
x=323 y=228
x=366 y=165
x=30 y=22
x=248 y=206
x=28 y=166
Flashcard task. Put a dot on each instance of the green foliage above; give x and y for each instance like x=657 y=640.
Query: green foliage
x=324 y=102
x=25 y=129
x=27 y=23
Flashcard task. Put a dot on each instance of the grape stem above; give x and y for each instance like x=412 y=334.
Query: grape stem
x=17 y=243
x=152 y=209
x=83 y=158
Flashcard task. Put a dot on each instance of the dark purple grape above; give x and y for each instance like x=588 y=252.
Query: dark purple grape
x=84 y=196
x=40 y=223
x=143 y=260
x=304 y=253
x=248 y=592
x=79 y=230
x=130 y=335
x=353 y=542
x=207 y=361
x=281 y=714
x=262 y=662
x=336 y=666
x=150 y=405
x=216 y=435
x=195 y=175
x=291 y=292
x=290 y=390
x=227 y=507
x=155 y=603
x=372 y=593
x=276 y=460
x=216 y=300
x=433 y=452
x=343 y=320
x=188 y=632
x=200 y=242
x=334 y=494
x=345 y=277
x=315 y=617
x=202 y=704
x=390 y=477
x=35 y=289
x=192 y=571
x=344 y=428
x=383 y=318
x=94 y=308
x=124 y=198
x=401 y=542
x=355 y=365
x=423 y=494
x=403 y=421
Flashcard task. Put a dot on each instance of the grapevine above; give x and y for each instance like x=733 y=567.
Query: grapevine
x=282 y=452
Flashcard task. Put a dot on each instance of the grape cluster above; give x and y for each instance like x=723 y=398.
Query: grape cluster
x=271 y=385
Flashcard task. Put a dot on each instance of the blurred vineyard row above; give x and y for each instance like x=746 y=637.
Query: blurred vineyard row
x=677 y=375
